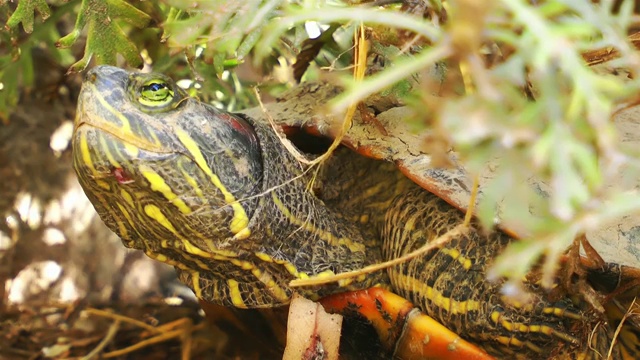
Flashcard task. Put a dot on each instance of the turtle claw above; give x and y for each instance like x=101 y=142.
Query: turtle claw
x=576 y=268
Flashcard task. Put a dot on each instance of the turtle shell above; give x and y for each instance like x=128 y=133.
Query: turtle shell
x=388 y=137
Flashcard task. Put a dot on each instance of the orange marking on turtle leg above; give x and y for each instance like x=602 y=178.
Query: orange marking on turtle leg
x=388 y=322
x=402 y=327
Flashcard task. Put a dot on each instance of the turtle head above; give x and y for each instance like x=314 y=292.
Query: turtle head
x=166 y=172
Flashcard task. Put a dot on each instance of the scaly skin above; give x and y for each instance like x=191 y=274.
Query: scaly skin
x=449 y=284
x=218 y=197
x=193 y=187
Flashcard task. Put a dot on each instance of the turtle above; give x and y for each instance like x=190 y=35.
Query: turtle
x=221 y=198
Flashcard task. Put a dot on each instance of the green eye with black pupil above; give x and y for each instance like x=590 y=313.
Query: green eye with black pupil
x=156 y=93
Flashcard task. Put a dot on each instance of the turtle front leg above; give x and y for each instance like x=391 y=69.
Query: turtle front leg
x=450 y=284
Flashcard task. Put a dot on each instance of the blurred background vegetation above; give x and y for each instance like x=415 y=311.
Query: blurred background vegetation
x=517 y=84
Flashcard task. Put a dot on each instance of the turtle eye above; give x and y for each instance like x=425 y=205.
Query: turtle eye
x=156 y=93
x=153 y=93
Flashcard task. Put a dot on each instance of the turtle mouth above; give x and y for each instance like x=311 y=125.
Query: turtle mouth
x=104 y=154
x=126 y=139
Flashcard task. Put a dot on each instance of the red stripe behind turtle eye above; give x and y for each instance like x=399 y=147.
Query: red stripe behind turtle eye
x=121 y=176
x=241 y=126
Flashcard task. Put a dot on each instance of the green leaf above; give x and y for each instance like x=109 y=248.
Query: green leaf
x=249 y=42
x=105 y=38
x=516 y=260
x=229 y=30
x=25 y=14
x=16 y=68
x=218 y=63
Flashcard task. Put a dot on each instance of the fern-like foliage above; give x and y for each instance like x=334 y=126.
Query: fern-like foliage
x=24 y=14
x=105 y=38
